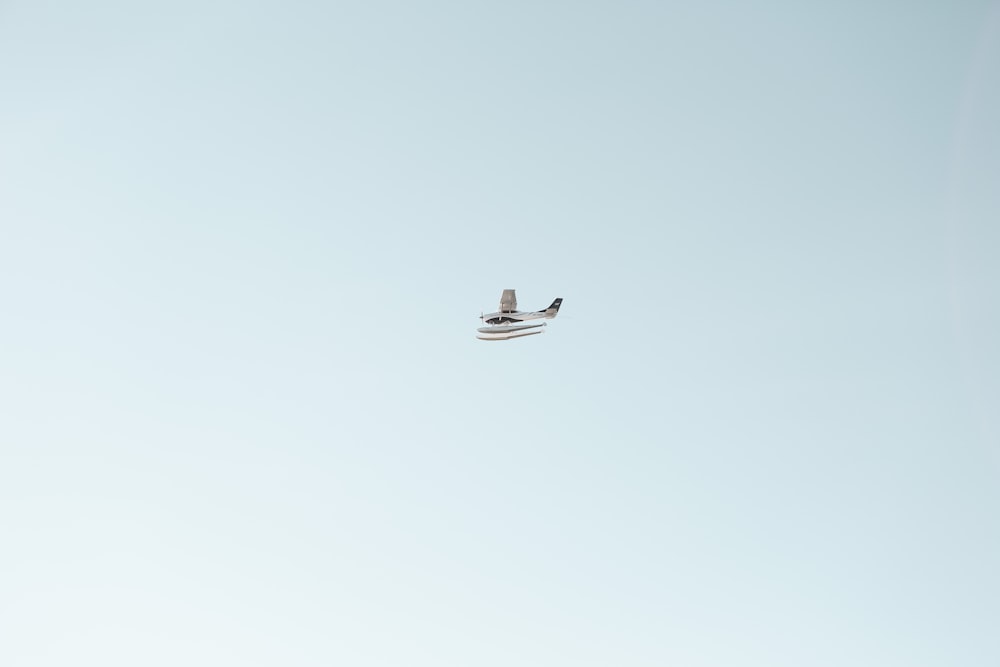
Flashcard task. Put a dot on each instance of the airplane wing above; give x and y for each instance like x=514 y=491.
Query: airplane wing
x=508 y=302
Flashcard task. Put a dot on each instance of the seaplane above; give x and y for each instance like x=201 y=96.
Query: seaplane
x=506 y=323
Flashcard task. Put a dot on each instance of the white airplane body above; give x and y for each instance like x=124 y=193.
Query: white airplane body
x=506 y=322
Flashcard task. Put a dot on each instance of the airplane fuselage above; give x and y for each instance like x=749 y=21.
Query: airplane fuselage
x=513 y=316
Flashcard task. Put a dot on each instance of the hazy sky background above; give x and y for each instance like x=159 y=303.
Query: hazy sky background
x=244 y=419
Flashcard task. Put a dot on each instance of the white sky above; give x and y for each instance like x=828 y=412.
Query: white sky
x=244 y=418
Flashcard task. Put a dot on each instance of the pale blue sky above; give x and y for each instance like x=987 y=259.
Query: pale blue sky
x=244 y=419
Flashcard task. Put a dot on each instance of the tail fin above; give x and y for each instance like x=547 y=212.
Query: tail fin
x=553 y=310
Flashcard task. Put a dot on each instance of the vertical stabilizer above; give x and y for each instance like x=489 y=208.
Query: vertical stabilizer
x=553 y=310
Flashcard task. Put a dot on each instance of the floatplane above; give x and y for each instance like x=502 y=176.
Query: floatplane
x=506 y=322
